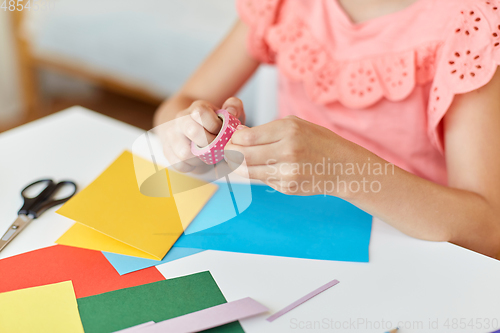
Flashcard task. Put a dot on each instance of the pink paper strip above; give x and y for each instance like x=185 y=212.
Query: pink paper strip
x=302 y=300
x=209 y=318
x=135 y=328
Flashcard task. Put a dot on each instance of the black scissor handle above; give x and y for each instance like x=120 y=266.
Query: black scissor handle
x=35 y=206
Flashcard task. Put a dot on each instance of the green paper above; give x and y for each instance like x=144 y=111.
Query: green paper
x=155 y=301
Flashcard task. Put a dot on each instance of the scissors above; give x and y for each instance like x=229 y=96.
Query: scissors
x=34 y=206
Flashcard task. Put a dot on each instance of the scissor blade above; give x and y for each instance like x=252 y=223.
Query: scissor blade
x=15 y=228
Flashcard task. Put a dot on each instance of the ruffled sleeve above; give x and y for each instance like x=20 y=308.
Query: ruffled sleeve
x=469 y=58
x=259 y=15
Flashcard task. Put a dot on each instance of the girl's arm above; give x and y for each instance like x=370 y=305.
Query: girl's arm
x=467 y=212
x=220 y=76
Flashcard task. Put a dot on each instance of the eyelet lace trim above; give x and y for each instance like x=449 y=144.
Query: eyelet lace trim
x=469 y=59
x=259 y=15
x=464 y=61
x=355 y=84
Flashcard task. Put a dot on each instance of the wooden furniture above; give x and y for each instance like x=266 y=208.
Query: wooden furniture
x=30 y=63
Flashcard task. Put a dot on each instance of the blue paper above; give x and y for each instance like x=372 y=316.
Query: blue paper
x=230 y=201
x=127 y=264
x=313 y=227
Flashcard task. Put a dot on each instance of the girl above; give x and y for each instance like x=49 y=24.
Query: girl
x=364 y=82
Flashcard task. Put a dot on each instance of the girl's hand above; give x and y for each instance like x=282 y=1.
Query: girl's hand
x=288 y=155
x=198 y=123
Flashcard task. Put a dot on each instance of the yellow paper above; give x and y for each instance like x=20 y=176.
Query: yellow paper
x=82 y=236
x=51 y=308
x=125 y=221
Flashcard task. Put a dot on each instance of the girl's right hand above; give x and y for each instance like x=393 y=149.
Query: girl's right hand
x=199 y=124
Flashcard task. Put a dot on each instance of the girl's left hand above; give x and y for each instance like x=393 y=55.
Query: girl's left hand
x=288 y=155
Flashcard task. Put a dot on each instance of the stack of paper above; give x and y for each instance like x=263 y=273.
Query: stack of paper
x=50 y=308
x=192 y=301
x=138 y=223
x=156 y=302
x=114 y=216
x=89 y=270
x=136 y=231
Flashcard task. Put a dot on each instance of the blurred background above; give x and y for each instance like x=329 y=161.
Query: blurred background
x=121 y=58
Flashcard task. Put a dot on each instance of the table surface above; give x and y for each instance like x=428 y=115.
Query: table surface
x=417 y=285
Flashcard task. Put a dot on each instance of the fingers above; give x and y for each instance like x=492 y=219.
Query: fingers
x=251 y=162
x=178 y=152
x=269 y=175
x=234 y=106
x=177 y=164
x=263 y=173
x=254 y=155
x=194 y=131
x=265 y=134
x=200 y=125
x=204 y=114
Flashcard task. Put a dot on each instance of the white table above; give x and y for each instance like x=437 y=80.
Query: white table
x=408 y=282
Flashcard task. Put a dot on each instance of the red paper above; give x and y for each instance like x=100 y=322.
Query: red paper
x=89 y=270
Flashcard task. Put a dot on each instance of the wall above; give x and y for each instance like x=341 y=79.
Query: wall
x=10 y=94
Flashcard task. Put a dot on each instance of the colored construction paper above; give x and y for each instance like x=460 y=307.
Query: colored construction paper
x=136 y=328
x=232 y=200
x=209 y=318
x=311 y=227
x=127 y=264
x=302 y=300
x=89 y=270
x=156 y=302
x=114 y=216
x=51 y=308
x=79 y=235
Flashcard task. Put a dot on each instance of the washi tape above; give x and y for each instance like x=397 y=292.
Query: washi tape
x=214 y=152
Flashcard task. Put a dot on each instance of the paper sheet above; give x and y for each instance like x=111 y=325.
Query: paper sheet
x=209 y=318
x=89 y=270
x=127 y=221
x=314 y=227
x=82 y=236
x=156 y=302
x=302 y=300
x=136 y=328
x=50 y=308
x=126 y=264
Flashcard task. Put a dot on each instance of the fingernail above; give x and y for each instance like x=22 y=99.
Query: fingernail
x=240 y=127
x=231 y=110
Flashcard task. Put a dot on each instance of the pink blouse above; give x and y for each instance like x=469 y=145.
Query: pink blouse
x=384 y=84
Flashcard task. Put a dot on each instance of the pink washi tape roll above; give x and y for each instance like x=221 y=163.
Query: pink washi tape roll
x=214 y=152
